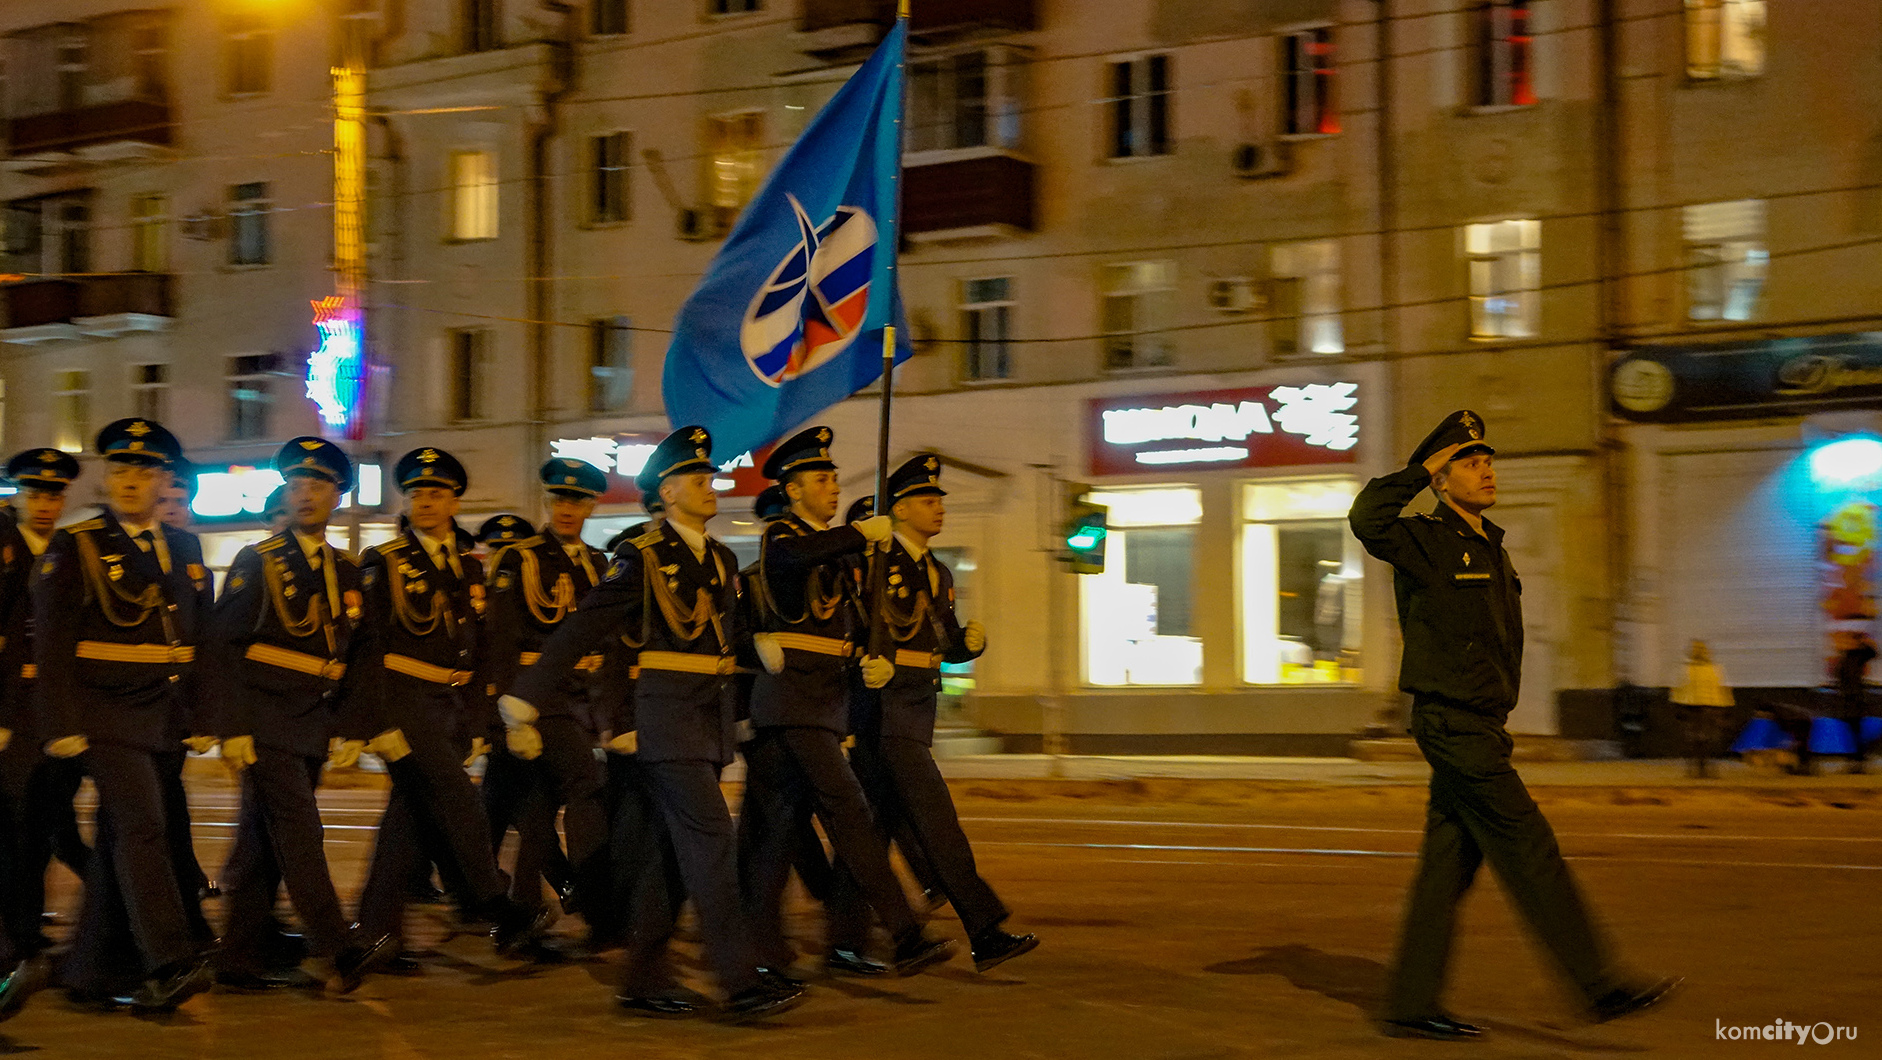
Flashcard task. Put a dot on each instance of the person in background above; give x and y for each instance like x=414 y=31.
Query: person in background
x=1704 y=705
x=1852 y=671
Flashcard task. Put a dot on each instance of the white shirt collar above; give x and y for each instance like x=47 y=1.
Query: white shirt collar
x=808 y=521
x=309 y=545
x=33 y=541
x=917 y=551
x=694 y=539
x=134 y=529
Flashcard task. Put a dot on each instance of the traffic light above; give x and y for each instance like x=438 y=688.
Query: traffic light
x=1085 y=534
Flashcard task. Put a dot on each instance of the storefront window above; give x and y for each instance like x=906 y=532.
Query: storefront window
x=1301 y=583
x=1137 y=614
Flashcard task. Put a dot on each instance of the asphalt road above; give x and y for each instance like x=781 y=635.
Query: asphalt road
x=1255 y=923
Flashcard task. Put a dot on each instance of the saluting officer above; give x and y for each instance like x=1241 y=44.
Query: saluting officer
x=672 y=592
x=800 y=711
x=35 y=790
x=409 y=698
x=536 y=583
x=277 y=649
x=118 y=606
x=910 y=594
x=1460 y=608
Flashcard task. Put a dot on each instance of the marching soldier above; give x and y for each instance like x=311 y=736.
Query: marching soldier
x=536 y=583
x=672 y=592
x=409 y=698
x=277 y=649
x=118 y=604
x=1460 y=606
x=800 y=712
x=910 y=594
x=35 y=790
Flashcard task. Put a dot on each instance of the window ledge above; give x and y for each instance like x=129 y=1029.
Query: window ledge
x=1137 y=160
x=248 y=267
x=590 y=226
x=1474 y=109
x=1689 y=81
x=454 y=241
x=940 y=155
x=1141 y=369
x=1295 y=138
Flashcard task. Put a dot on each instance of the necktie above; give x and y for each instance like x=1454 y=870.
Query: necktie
x=146 y=540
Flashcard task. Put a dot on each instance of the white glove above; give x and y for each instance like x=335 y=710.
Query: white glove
x=515 y=711
x=478 y=749
x=976 y=636
x=201 y=745
x=524 y=742
x=743 y=732
x=344 y=754
x=769 y=653
x=875 y=529
x=876 y=671
x=68 y=746
x=238 y=753
x=389 y=745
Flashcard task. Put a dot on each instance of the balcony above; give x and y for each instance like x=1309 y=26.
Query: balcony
x=830 y=27
x=105 y=132
x=52 y=310
x=976 y=197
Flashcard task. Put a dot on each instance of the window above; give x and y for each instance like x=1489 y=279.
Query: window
x=469 y=350
x=1139 y=302
x=1301 y=578
x=50 y=234
x=971 y=99
x=25 y=235
x=250 y=399
x=473 y=195
x=150 y=390
x=608 y=200
x=248 y=224
x=607 y=17
x=735 y=149
x=736 y=7
x=1140 y=107
x=73 y=216
x=1725 y=259
x=1305 y=305
x=148 y=49
x=1307 y=60
x=71 y=400
x=478 y=24
x=150 y=245
x=1505 y=276
x=1724 y=39
x=610 y=364
x=248 y=51
x=1502 y=44
x=72 y=60
x=1137 y=614
x=986 y=327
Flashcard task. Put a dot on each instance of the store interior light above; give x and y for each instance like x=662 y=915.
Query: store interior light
x=1846 y=461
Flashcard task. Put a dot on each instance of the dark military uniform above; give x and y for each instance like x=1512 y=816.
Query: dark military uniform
x=1460 y=609
x=117 y=620
x=413 y=671
x=801 y=716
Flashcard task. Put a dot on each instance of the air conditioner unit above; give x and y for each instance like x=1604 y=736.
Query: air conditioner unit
x=694 y=226
x=1272 y=158
x=1236 y=294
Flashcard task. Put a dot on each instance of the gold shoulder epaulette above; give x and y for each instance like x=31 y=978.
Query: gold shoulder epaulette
x=651 y=537
x=387 y=548
x=527 y=542
x=270 y=545
x=89 y=524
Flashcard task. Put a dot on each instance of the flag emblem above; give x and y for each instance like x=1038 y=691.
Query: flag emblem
x=812 y=305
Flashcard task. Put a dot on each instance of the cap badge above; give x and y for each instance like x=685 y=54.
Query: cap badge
x=1470 y=424
x=823 y=435
x=699 y=435
x=48 y=458
x=137 y=429
x=310 y=446
x=428 y=455
x=933 y=463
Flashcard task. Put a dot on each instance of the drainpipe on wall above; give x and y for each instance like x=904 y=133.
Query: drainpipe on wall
x=1611 y=250
x=541 y=288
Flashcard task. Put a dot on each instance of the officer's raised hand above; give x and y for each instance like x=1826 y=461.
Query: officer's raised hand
x=1436 y=461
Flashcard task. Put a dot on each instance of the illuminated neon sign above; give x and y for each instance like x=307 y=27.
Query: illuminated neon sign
x=240 y=492
x=336 y=372
x=1248 y=427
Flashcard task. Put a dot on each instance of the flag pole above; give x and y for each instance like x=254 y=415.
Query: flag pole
x=878 y=628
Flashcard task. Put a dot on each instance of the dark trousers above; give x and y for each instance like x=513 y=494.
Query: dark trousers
x=27 y=827
x=133 y=889
x=566 y=777
x=804 y=768
x=1480 y=810
x=704 y=857
x=433 y=812
x=279 y=839
x=511 y=801
x=905 y=787
x=641 y=871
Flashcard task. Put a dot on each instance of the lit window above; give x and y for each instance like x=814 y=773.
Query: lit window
x=1724 y=38
x=1138 y=308
x=1502 y=54
x=469 y=354
x=1725 y=259
x=71 y=400
x=737 y=155
x=1301 y=576
x=1137 y=615
x=248 y=51
x=1305 y=306
x=1307 y=61
x=248 y=220
x=610 y=364
x=971 y=99
x=150 y=391
x=608 y=188
x=473 y=195
x=986 y=328
x=150 y=247
x=478 y=24
x=1140 y=107
x=609 y=17
x=1505 y=278
x=251 y=398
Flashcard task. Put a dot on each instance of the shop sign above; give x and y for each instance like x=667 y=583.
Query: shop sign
x=622 y=456
x=1267 y=426
x=235 y=493
x=1746 y=380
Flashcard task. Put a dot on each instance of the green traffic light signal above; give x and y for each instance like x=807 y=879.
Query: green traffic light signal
x=1085 y=535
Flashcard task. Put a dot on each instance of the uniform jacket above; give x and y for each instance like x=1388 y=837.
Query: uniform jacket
x=1459 y=599
x=115 y=637
x=533 y=586
x=17 y=711
x=924 y=633
x=415 y=610
x=273 y=601
x=802 y=588
x=678 y=715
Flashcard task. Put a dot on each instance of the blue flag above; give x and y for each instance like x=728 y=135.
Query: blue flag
x=789 y=318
